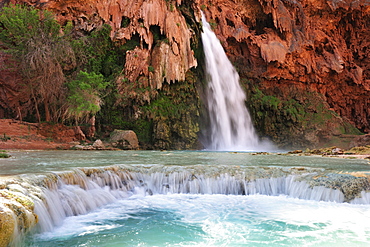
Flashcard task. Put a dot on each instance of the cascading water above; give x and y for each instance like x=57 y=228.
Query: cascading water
x=148 y=200
x=85 y=189
x=231 y=126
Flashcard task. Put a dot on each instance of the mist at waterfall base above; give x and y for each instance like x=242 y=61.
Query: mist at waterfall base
x=231 y=127
x=186 y=198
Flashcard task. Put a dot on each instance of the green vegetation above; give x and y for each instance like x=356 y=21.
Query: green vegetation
x=33 y=37
x=172 y=8
x=84 y=95
x=291 y=110
x=131 y=44
x=66 y=75
x=213 y=24
x=73 y=75
x=151 y=69
x=125 y=22
x=301 y=118
x=3 y=154
x=164 y=107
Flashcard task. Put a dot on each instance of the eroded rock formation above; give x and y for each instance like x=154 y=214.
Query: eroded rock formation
x=308 y=59
x=289 y=48
x=158 y=27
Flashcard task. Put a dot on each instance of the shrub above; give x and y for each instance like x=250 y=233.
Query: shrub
x=84 y=98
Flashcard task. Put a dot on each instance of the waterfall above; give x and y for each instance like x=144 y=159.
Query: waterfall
x=231 y=128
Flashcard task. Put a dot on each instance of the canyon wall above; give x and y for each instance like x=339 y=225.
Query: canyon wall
x=304 y=64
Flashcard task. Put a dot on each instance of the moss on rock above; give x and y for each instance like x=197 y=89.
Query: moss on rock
x=7 y=224
x=175 y=115
x=298 y=119
x=16 y=216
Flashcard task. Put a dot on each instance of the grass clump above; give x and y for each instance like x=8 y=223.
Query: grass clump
x=4 y=154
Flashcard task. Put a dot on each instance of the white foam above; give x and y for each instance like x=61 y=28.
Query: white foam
x=234 y=220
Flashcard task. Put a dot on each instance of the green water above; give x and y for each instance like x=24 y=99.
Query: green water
x=214 y=220
x=46 y=161
x=198 y=219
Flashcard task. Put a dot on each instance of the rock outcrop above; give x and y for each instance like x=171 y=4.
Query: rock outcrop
x=17 y=216
x=317 y=46
x=158 y=27
x=363 y=140
x=299 y=54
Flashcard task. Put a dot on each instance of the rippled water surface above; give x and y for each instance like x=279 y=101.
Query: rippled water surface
x=43 y=161
x=214 y=220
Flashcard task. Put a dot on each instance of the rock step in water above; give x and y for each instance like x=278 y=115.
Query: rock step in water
x=41 y=202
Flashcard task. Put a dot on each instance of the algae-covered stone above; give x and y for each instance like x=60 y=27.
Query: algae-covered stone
x=7 y=225
x=351 y=186
x=17 y=216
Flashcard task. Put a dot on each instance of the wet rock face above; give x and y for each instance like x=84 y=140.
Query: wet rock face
x=318 y=46
x=349 y=185
x=17 y=216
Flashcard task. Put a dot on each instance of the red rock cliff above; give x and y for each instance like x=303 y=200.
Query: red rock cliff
x=312 y=45
x=138 y=20
x=286 y=48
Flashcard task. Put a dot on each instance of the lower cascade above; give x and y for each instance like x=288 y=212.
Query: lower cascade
x=41 y=202
x=231 y=126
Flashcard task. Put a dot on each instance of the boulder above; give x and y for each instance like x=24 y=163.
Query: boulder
x=98 y=144
x=337 y=151
x=124 y=139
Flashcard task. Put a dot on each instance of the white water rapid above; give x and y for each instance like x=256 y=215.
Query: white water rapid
x=44 y=202
x=85 y=189
x=231 y=126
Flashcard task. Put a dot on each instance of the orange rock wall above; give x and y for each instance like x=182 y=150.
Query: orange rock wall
x=313 y=45
x=281 y=46
x=170 y=60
